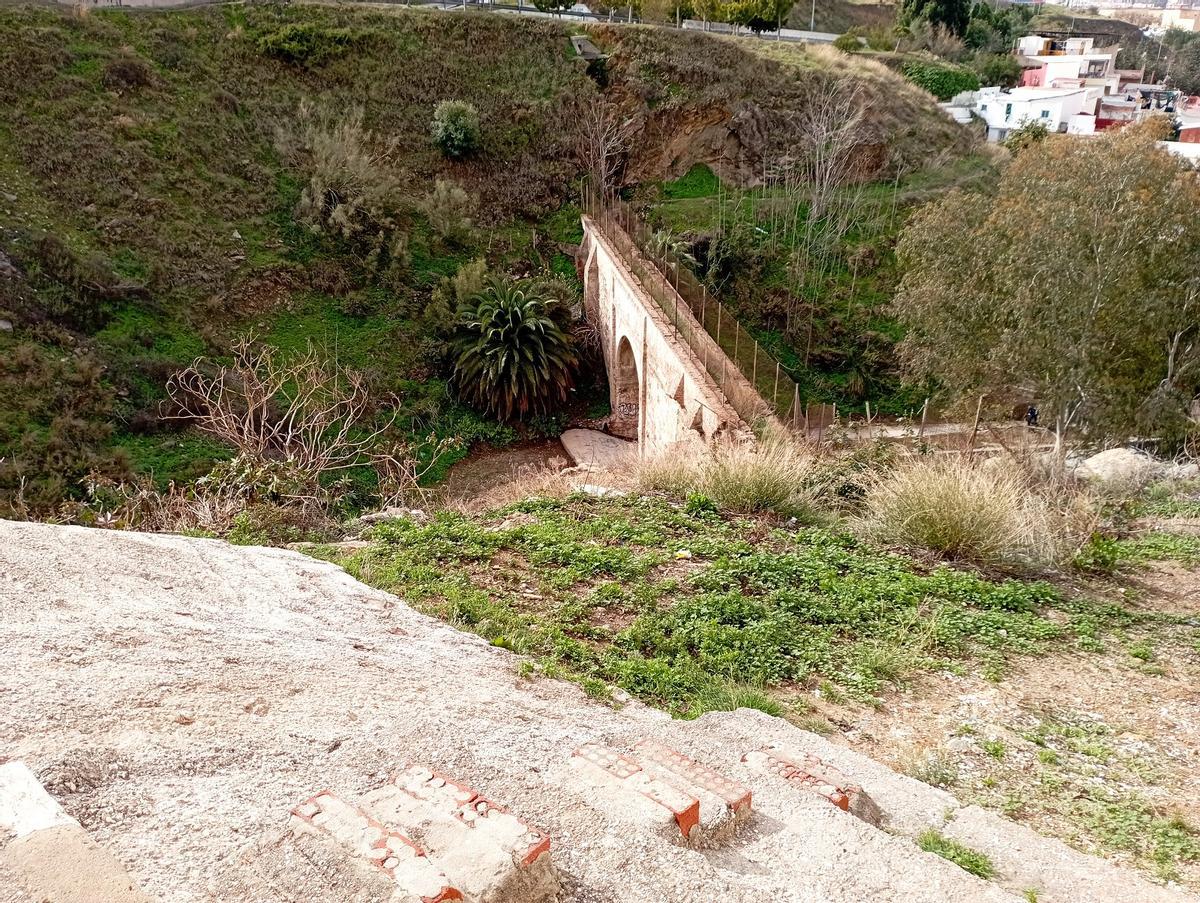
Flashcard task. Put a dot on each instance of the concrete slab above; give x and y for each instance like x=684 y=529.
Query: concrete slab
x=25 y=806
x=49 y=853
x=593 y=450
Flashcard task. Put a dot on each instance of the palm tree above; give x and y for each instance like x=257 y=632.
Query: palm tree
x=514 y=352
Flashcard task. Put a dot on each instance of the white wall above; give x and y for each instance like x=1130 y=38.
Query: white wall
x=1003 y=112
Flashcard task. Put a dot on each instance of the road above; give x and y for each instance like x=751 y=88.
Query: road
x=786 y=34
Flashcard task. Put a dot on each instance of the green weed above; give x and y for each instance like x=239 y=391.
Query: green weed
x=964 y=857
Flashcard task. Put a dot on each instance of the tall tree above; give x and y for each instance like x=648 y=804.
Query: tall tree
x=1076 y=282
x=953 y=15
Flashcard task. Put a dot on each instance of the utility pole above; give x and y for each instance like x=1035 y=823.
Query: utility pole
x=812 y=22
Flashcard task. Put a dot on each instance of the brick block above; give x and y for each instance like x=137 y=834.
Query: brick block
x=668 y=802
x=524 y=843
x=810 y=772
x=651 y=753
x=399 y=857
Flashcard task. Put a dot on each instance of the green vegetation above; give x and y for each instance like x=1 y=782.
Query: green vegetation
x=813 y=289
x=964 y=857
x=686 y=610
x=1159 y=546
x=184 y=178
x=942 y=80
x=991 y=516
x=306 y=43
x=514 y=353
x=984 y=314
x=1121 y=813
x=456 y=128
x=271 y=198
x=994 y=748
x=951 y=15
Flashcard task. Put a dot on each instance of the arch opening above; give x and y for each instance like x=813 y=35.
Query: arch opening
x=625 y=393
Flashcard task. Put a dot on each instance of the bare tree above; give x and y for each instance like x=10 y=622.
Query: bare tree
x=315 y=419
x=602 y=139
x=830 y=126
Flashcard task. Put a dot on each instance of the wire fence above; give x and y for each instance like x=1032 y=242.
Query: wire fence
x=753 y=381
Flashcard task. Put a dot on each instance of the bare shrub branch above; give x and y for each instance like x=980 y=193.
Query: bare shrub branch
x=601 y=139
x=316 y=420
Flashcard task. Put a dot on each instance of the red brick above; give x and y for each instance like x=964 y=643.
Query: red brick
x=627 y=774
x=809 y=771
x=736 y=796
x=369 y=839
x=524 y=842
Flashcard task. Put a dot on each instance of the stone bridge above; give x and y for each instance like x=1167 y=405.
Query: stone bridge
x=661 y=390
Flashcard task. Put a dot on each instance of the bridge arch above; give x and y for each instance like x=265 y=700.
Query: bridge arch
x=626 y=391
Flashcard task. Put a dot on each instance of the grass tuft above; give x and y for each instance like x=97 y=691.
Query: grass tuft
x=964 y=857
x=777 y=476
x=965 y=511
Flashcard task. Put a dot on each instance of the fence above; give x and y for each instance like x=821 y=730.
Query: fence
x=750 y=378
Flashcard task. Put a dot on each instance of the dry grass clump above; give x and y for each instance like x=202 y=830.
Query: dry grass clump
x=990 y=513
x=673 y=474
x=775 y=475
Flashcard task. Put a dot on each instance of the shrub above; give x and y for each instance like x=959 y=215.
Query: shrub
x=880 y=37
x=961 y=510
x=451 y=293
x=297 y=425
x=1027 y=135
x=997 y=69
x=305 y=44
x=456 y=128
x=449 y=207
x=942 y=80
x=677 y=475
x=935 y=768
x=352 y=192
x=127 y=72
x=1100 y=554
x=514 y=352
x=849 y=42
x=935 y=38
x=774 y=476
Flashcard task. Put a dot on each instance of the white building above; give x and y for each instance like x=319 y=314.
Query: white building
x=1004 y=110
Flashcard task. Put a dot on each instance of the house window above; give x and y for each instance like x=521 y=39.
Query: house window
x=1008 y=111
x=1045 y=114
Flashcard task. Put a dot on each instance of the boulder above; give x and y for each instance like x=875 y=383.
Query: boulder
x=1119 y=465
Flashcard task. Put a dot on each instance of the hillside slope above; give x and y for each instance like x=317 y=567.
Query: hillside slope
x=180 y=696
x=149 y=186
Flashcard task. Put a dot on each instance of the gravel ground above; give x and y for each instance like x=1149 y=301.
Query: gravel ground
x=178 y=696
